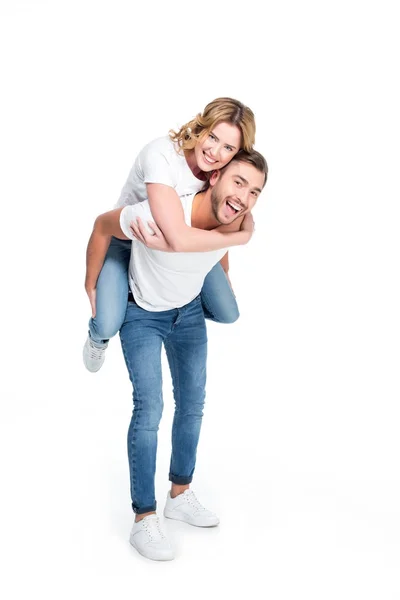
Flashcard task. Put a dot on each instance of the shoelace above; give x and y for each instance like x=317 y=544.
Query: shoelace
x=153 y=529
x=94 y=352
x=191 y=498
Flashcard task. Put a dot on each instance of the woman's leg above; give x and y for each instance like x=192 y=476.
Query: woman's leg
x=111 y=292
x=217 y=297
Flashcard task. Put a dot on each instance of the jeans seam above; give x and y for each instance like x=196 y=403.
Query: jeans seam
x=135 y=394
x=172 y=353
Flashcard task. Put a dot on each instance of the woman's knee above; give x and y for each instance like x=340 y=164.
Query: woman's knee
x=224 y=314
x=106 y=326
x=229 y=315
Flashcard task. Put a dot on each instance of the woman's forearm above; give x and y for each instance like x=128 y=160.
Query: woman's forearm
x=190 y=239
x=167 y=211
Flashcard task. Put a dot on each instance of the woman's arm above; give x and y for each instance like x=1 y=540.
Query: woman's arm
x=167 y=211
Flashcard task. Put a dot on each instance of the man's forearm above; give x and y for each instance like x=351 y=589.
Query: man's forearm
x=95 y=255
x=229 y=280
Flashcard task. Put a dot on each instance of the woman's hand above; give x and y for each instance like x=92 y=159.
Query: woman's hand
x=155 y=240
x=91 y=292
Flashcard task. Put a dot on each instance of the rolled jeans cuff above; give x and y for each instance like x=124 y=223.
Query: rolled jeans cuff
x=145 y=509
x=180 y=480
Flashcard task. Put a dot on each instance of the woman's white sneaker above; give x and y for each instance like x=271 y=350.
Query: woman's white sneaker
x=185 y=507
x=93 y=355
x=149 y=539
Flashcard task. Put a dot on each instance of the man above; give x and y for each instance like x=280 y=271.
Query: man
x=165 y=308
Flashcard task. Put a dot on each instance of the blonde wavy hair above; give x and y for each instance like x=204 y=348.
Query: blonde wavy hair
x=220 y=110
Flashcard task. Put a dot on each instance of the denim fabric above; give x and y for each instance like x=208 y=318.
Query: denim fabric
x=219 y=303
x=183 y=333
x=111 y=292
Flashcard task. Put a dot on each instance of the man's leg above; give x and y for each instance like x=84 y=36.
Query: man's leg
x=141 y=338
x=186 y=349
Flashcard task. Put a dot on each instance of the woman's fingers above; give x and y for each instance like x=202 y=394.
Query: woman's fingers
x=136 y=232
x=152 y=239
x=155 y=228
x=143 y=230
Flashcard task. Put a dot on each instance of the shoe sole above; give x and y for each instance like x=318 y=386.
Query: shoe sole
x=177 y=517
x=147 y=556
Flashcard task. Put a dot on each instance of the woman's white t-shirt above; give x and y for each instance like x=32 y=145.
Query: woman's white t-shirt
x=159 y=162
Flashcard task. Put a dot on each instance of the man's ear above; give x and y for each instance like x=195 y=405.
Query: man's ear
x=214 y=177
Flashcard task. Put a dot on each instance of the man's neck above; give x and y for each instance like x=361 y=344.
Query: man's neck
x=202 y=215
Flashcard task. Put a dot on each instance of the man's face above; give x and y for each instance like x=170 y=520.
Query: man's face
x=235 y=191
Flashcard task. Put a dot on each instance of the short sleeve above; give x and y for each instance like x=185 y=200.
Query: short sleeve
x=155 y=164
x=129 y=213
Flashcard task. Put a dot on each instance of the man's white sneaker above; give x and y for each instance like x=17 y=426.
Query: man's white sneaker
x=149 y=539
x=93 y=355
x=185 y=507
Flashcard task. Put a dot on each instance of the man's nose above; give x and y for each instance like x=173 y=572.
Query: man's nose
x=243 y=196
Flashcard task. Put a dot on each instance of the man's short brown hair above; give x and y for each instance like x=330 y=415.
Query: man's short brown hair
x=252 y=158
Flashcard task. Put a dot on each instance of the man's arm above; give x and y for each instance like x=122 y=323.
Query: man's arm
x=105 y=226
x=235 y=226
x=225 y=265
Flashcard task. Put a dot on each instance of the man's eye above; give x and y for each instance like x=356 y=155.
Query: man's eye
x=238 y=183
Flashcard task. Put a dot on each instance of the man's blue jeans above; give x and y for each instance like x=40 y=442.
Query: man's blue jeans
x=218 y=301
x=184 y=335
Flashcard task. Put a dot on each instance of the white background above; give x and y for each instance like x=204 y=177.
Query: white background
x=300 y=446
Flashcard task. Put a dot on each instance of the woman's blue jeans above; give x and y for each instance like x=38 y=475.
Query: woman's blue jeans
x=184 y=335
x=219 y=303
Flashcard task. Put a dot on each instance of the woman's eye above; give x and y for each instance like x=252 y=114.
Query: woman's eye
x=228 y=148
x=212 y=137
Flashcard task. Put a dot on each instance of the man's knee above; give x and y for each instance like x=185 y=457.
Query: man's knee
x=149 y=417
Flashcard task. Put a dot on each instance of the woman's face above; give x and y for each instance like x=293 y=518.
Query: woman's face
x=218 y=147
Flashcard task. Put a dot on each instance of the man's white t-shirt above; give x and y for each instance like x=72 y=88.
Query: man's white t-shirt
x=159 y=162
x=165 y=280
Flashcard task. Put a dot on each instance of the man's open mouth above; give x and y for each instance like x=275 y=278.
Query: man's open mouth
x=233 y=208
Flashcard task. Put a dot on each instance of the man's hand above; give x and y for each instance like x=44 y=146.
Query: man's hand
x=155 y=240
x=91 y=292
x=248 y=225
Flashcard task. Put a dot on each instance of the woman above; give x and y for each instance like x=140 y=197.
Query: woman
x=165 y=169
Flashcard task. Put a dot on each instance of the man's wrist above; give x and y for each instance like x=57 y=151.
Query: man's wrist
x=89 y=285
x=245 y=237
